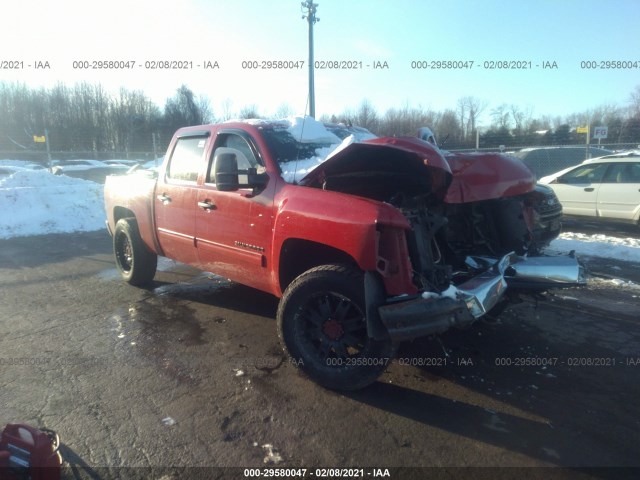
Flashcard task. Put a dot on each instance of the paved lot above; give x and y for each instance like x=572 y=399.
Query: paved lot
x=189 y=373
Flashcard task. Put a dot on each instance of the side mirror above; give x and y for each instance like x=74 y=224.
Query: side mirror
x=225 y=170
x=228 y=178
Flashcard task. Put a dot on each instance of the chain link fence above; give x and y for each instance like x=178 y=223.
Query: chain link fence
x=41 y=158
x=541 y=160
x=545 y=160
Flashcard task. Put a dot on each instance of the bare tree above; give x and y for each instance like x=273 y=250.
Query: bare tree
x=447 y=128
x=634 y=100
x=469 y=109
x=367 y=116
x=204 y=104
x=521 y=118
x=249 y=111
x=500 y=116
x=284 y=110
x=226 y=109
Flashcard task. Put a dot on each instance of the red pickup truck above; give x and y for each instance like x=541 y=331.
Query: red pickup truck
x=368 y=244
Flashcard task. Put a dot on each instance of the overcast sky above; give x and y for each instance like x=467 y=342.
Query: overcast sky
x=397 y=32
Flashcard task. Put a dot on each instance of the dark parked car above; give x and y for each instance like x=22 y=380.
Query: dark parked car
x=543 y=161
x=93 y=170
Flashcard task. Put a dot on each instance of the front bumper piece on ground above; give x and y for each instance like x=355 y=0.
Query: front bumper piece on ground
x=462 y=305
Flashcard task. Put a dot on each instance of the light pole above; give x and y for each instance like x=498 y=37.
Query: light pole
x=309 y=10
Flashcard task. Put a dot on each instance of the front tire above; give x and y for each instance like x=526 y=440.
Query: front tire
x=323 y=328
x=135 y=262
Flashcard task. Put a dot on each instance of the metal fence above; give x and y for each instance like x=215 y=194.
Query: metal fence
x=41 y=157
x=545 y=160
x=542 y=160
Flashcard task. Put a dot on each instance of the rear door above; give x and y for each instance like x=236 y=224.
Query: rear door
x=577 y=190
x=233 y=229
x=619 y=194
x=175 y=197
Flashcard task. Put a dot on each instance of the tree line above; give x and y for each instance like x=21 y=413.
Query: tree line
x=511 y=125
x=86 y=118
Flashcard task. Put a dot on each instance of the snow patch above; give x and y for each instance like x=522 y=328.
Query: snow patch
x=345 y=143
x=309 y=130
x=303 y=129
x=297 y=169
x=35 y=202
x=615 y=282
x=598 y=245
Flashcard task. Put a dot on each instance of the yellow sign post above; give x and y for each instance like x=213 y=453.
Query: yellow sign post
x=44 y=139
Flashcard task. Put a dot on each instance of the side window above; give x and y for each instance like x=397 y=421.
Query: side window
x=585 y=174
x=615 y=174
x=186 y=159
x=232 y=143
x=634 y=173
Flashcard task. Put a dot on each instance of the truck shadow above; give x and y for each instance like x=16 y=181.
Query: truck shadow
x=560 y=412
x=215 y=291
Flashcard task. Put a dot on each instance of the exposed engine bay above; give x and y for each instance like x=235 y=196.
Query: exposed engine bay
x=459 y=207
x=444 y=236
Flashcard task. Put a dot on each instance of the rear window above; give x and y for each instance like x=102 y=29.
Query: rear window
x=187 y=158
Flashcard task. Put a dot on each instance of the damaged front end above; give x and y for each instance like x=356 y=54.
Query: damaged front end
x=428 y=313
x=468 y=236
x=431 y=313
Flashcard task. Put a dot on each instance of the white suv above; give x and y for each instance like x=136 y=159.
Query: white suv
x=605 y=188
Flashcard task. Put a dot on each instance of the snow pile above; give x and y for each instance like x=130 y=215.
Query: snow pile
x=297 y=169
x=37 y=202
x=345 y=143
x=303 y=129
x=15 y=163
x=309 y=130
x=598 y=245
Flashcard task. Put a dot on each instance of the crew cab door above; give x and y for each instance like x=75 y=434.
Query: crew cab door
x=233 y=228
x=175 y=197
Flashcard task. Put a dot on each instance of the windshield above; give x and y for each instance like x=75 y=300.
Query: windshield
x=296 y=158
x=300 y=144
x=286 y=148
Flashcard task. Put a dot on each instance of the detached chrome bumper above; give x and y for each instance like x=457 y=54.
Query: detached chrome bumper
x=462 y=305
x=545 y=272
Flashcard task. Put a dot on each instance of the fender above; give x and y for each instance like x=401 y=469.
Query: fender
x=353 y=225
x=134 y=193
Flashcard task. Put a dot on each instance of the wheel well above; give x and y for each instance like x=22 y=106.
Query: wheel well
x=298 y=256
x=120 y=213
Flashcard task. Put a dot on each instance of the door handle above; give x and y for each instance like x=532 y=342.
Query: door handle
x=207 y=205
x=164 y=198
x=589 y=189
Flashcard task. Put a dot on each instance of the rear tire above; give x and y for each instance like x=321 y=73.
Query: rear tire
x=323 y=328
x=135 y=262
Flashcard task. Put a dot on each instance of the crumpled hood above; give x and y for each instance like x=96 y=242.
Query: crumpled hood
x=376 y=167
x=483 y=176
